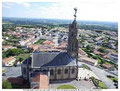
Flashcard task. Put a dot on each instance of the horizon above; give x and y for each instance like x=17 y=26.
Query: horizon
x=62 y=19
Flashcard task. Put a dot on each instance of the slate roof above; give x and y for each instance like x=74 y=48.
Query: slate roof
x=44 y=59
x=27 y=61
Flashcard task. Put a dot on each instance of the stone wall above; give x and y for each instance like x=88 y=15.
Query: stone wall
x=63 y=73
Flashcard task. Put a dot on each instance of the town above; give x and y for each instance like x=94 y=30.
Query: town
x=97 y=53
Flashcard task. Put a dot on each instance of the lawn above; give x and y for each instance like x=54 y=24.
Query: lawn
x=3 y=70
x=99 y=83
x=40 y=41
x=112 y=78
x=102 y=85
x=66 y=87
x=24 y=56
x=86 y=67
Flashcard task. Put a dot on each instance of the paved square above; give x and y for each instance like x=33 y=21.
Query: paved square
x=83 y=84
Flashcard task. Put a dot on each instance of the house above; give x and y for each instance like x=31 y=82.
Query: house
x=89 y=60
x=82 y=53
x=9 y=61
x=34 y=47
x=47 y=42
x=108 y=66
x=6 y=47
x=111 y=45
x=99 y=38
x=53 y=65
x=99 y=42
x=113 y=57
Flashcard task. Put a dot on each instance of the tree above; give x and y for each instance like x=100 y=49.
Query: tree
x=90 y=48
x=99 y=61
x=20 y=59
x=17 y=51
x=6 y=84
x=12 y=52
x=19 y=46
x=4 y=55
x=103 y=50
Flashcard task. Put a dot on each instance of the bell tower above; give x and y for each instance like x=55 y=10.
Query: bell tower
x=72 y=48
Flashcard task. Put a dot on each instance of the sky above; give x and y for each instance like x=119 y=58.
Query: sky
x=104 y=10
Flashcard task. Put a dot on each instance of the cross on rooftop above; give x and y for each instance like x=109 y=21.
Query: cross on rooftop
x=75 y=13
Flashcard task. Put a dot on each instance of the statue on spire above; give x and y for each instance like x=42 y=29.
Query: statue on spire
x=75 y=14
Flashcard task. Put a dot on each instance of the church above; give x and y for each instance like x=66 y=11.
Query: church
x=54 y=65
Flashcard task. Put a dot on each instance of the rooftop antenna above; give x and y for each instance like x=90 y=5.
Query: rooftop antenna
x=75 y=14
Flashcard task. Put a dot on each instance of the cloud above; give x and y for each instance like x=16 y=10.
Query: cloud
x=26 y=5
x=87 y=10
x=7 y=5
x=4 y=6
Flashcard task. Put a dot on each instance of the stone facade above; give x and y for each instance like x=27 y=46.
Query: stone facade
x=72 y=40
x=58 y=73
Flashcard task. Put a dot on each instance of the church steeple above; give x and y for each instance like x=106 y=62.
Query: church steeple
x=72 y=48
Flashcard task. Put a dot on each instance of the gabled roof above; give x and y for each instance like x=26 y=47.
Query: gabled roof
x=44 y=59
x=6 y=60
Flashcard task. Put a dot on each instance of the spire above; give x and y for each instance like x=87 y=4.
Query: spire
x=75 y=14
x=72 y=48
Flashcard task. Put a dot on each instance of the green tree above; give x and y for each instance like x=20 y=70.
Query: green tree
x=103 y=50
x=99 y=61
x=4 y=54
x=6 y=84
x=89 y=47
x=12 y=52
x=20 y=59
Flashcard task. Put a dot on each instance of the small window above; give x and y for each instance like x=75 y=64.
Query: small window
x=31 y=75
x=72 y=47
x=73 y=70
x=51 y=72
x=44 y=71
x=36 y=70
x=59 y=71
x=71 y=34
x=66 y=71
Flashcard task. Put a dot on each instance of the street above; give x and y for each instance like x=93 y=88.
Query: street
x=102 y=75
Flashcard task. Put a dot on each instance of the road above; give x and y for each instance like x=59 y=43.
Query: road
x=102 y=75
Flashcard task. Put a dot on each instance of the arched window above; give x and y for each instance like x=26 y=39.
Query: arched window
x=51 y=72
x=66 y=71
x=71 y=34
x=72 y=47
x=59 y=71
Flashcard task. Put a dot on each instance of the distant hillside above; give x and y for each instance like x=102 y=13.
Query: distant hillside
x=92 y=25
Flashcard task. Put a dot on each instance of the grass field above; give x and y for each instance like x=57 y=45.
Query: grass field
x=99 y=83
x=86 y=67
x=102 y=85
x=40 y=41
x=66 y=87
